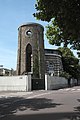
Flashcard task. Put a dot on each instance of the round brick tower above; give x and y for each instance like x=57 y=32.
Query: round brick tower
x=31 y=50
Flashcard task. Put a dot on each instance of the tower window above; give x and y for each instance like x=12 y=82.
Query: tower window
x=28 y=33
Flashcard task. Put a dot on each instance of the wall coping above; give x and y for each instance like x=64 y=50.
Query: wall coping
x=30 y=24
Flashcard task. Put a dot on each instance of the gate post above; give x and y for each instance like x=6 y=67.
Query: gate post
x=28 y=82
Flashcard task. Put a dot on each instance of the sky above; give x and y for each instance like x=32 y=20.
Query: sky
x=13 y=13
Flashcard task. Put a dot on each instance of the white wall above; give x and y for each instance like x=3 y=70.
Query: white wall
x=15 y=83
x=52 y=82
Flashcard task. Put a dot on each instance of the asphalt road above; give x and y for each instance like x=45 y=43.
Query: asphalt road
x=63 y=104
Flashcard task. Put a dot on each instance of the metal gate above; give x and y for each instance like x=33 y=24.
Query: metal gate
x=37 y=84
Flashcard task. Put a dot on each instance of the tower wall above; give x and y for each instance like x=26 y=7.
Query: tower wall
x=31 y=34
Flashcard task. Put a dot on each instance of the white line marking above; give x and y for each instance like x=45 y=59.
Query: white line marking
x=67 y=89
x=72 y=89
x=61 y=89
x=78 y=89
x=40 y=95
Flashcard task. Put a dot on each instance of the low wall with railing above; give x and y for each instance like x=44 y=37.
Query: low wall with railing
x=15 y=83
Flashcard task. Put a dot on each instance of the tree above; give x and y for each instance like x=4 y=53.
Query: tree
x=78 y=54
x=65 y=26
x=66 y=52
x=70 y=63
x=57 y=36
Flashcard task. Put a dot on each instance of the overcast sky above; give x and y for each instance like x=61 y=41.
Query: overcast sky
x=13 y=13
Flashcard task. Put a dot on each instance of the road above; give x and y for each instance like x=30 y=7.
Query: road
x=62 y=104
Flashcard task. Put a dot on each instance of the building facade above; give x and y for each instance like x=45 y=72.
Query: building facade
x=6 y=72
x=53 y=62
x=32 y=57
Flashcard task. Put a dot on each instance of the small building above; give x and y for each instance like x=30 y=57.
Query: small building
x=7 y=72
x=53 y=62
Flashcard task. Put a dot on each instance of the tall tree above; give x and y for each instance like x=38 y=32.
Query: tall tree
x=65 y=26
x=70 y=63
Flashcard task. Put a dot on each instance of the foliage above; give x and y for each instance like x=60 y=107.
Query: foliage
x=78 y=54
x=75 y=71
x=65 y=26
x=36 y=62
x=36 y=67
x=70 y=63
x=65 y=74
x=54 y=34
x=66 y=52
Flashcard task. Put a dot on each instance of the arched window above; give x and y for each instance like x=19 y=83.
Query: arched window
x=28 y=57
